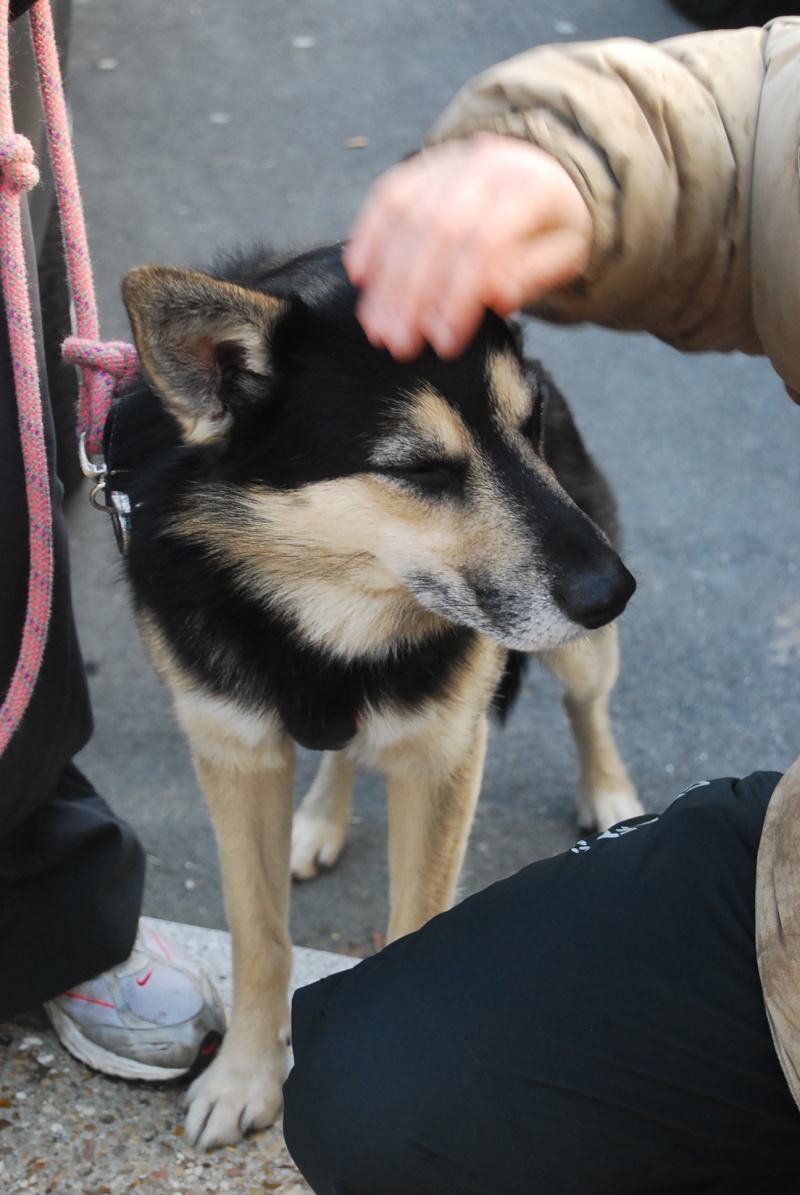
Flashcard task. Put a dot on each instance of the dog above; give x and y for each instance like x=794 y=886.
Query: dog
x=330 y=547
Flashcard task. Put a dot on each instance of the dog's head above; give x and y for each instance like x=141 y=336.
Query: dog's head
x=350 y=487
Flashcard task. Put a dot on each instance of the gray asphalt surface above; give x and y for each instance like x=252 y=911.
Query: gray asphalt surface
x=200 y=125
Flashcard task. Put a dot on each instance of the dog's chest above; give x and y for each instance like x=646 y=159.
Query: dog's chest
x=233 y=650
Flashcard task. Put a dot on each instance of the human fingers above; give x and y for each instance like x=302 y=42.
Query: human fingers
x=403 y=242
x=416 y=226
x=385 y=203
x=487 y=222
x=532 y=233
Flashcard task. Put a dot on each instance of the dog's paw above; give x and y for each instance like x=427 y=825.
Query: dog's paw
x=598 y=812
x=235 y=1096
x=316 y=845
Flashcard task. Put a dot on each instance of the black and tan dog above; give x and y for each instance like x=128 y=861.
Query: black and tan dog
x=329 y=547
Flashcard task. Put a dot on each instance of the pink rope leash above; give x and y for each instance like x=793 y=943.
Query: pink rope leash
x=104 y=366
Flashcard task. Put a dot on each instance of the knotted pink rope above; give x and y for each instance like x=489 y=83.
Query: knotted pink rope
x=107 y=367
x=19 y=172
x=104 y=366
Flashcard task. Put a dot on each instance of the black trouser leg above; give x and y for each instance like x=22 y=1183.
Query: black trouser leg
x=593 y=1025
x=71 y=873
x=734 y=14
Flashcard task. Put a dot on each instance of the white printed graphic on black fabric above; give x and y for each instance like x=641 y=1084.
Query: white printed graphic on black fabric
x=692 y=787
x=614 y=832
x=618 y=831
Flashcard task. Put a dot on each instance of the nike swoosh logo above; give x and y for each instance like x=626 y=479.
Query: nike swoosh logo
x=142 y=982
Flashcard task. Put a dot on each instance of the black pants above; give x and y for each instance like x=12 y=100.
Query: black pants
x=592 y=1025
x=71 y=873
x=733 y=14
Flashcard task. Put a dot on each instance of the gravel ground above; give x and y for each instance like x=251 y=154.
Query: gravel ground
x=64 y=1128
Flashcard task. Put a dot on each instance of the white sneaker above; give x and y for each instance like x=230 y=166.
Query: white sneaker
x=156 y=1016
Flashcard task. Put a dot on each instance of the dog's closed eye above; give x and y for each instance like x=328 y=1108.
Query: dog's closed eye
x=432 y=477
x=532 y=428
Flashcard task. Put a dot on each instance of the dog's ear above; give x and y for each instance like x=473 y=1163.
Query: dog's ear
x=205 y=344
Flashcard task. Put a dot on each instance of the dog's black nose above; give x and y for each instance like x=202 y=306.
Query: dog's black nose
x=595 y=595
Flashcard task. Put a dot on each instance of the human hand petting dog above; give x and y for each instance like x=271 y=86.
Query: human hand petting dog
x=487 y=222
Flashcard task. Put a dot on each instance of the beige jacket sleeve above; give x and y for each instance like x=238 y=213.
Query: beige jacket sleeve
x=686 y=153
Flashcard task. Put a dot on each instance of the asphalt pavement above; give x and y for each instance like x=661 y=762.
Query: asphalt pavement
x=200 y=126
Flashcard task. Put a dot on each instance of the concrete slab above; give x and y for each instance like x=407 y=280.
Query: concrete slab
x=65 y=1129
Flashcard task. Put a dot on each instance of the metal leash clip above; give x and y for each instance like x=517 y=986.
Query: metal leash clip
x=102 y=497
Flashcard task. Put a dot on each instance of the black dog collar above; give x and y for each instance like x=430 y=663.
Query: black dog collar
x=120 y=472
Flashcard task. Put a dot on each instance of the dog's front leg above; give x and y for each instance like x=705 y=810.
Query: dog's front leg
x=588 y=671
x=250 y=799
x=320 y=823
x=432 y=798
